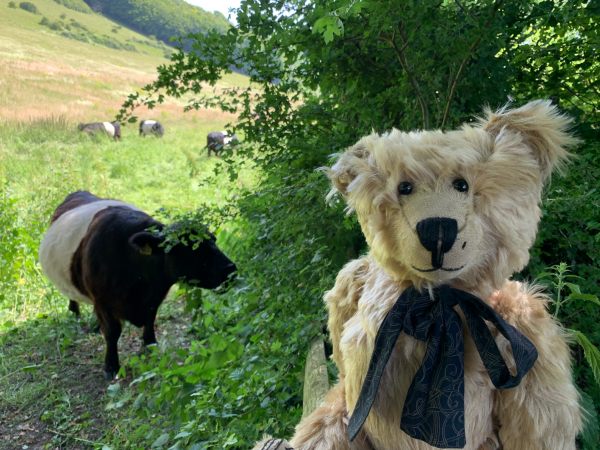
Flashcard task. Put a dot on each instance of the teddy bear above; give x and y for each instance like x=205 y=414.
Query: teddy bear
x=436 y=347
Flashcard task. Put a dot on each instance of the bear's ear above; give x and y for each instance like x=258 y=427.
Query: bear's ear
x=349 y=165
x=542 y=128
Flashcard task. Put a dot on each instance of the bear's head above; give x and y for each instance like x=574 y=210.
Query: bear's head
x=458 y=207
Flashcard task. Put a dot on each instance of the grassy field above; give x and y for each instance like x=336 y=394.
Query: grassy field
x=49 y=365
x=43 y=72
x=52 y=394
x=42 y=161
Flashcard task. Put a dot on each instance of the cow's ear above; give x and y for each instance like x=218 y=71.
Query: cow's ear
x=145 y=243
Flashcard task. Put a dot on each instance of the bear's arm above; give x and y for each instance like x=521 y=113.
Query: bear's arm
x=342 y=302
x=542 y=412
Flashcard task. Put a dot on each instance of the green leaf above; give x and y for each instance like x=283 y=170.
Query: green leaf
x=328 y=26
x=574 y=287
x=355 y=7
x=113 y=389
x=31 y=368
x=585 y=297
x=182 y=434
x=591 y=353
x=231 y=441
x=161 y=440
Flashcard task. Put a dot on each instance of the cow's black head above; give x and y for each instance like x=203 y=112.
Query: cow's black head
x=191 y=257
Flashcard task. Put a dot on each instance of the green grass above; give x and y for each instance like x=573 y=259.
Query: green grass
x=41 y=162
x=16 y=20
x=50 y=370
x=51 y=387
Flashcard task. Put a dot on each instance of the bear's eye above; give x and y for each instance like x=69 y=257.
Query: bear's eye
x=405 y=188
x=460 y=185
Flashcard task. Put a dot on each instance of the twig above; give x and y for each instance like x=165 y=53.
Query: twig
x=75 y=438
x=463 y=63
x=411 y=76
x=462 y=8
x=32 y=366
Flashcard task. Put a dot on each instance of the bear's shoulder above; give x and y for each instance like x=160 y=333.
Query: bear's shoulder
x=520 y=303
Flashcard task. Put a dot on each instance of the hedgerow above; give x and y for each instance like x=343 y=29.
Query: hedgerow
x=324 y=74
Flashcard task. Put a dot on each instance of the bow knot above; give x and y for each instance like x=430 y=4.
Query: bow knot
x=434 y=405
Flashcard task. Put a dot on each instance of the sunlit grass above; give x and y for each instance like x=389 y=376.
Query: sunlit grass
x=45 y=73
x=42 y=161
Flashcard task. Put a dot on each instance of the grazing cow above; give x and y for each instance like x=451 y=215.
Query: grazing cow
x=151 y=127
x=217 y=140
x=111 y=255
x=111 y=129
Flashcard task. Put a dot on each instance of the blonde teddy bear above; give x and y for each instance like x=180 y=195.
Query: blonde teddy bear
x=436 y=347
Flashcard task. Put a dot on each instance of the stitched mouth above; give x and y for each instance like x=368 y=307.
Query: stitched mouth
x=445 y=269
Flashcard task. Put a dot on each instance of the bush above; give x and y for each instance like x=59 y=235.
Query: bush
x=570 y=227
x=79 y=32
x=28 y=6
x=375 y=67
x=75 y=5
x=12 y=4
x=55 y=26
x=18 y=255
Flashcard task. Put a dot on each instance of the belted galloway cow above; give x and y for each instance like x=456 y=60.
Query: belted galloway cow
x=111 y=129
x=151 y=127
x=111 y=255
x=217 y=140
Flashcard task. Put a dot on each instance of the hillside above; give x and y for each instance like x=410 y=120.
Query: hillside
x=79 y=64
x=165 y=19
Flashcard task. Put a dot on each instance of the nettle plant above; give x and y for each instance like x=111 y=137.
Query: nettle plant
x=569 y=304
x=567 y=293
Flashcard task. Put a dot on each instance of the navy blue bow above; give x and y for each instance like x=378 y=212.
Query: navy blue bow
x=434 y=406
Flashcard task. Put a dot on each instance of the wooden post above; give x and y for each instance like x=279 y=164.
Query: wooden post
x=316 y=380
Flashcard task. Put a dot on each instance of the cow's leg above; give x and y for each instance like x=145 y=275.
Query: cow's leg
x=149 y=337
x=111 y=328
x=74 y=308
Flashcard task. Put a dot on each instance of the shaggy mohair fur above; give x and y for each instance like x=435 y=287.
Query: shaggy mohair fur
x=505 y=159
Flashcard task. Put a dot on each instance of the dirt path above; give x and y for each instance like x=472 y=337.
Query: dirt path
x=52 y=391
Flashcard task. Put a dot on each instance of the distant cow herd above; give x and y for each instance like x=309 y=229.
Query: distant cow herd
x=216 y=141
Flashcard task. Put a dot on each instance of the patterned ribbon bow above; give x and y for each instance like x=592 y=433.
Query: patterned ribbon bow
x=434 y=406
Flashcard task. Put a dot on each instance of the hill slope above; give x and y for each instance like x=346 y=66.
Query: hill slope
x=78 y=64
x=164 y=19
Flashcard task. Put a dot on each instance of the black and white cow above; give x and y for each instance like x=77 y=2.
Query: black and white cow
x=217 y=140
x=151 y=127
x=111 y=129
x=108 y=253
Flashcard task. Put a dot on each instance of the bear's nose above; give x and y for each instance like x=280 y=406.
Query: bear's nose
x=437 y=235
